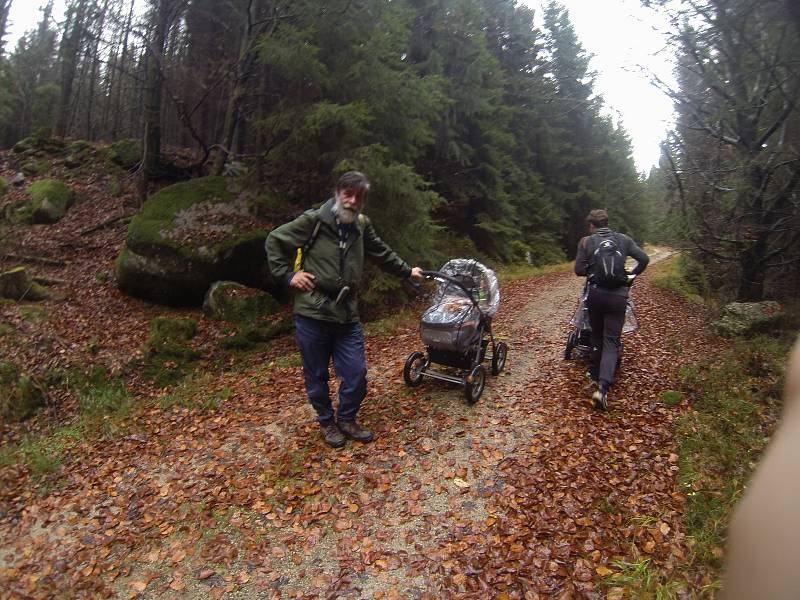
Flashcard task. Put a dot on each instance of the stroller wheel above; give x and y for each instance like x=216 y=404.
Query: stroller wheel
x=474 y=384
x=499 y=353
x=571 y=341
x=414 y=368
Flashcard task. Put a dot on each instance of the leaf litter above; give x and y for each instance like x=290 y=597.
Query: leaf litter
x=530 y=493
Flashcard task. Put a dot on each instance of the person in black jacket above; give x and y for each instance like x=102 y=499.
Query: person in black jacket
x=607 y=300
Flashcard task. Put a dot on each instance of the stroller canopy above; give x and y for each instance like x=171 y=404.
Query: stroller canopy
x=479 y=279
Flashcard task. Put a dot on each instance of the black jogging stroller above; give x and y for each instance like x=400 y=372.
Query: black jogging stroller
x=457 y=328
x=579 y=339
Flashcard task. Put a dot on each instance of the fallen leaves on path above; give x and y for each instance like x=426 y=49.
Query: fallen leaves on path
x=530 y=493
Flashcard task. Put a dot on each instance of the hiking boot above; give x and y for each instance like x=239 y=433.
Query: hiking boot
x=333 y=437
x=355 y=431
x=600 y=398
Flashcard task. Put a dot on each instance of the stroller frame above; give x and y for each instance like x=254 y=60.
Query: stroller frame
x=579 y=339
x=472 y=373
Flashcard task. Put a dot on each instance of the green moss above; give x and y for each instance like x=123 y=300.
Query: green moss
x=34 y=167
x=114 y=187
x=78 y=153
x=249 y=336
x=24 y=145
x=49 y=200
x=109 y=397
x=79 y=146
x=4 y=185
x=671 y=397
x=233 y=302
x=157 y=214
x=196 y=392
x=125 y=153
x=167 y=356
x=32 y=314
x=20 y=397
x=685 y=275
x=166 y=329
x=51 y=189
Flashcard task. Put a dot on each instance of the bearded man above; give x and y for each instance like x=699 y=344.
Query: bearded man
x=333 y=241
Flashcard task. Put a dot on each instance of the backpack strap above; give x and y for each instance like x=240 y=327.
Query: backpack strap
x=302 y=252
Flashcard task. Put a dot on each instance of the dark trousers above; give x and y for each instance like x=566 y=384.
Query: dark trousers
x=606 y=318
x=321 y=341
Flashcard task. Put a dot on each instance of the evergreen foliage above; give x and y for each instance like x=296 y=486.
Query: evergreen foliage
x=481 y=133
x=734 y=158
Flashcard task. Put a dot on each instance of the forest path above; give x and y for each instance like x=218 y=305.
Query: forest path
x=528 y=493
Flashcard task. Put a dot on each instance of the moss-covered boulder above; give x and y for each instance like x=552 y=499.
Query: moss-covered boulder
x=188 y=236
x=49 y=201
x=33 y=167
x=749 y=318
x=79 y=152
x=40 y=144
x=16 y=284
x=20 y=397
x=125 y=153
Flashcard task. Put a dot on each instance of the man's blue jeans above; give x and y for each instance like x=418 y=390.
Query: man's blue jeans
x=319 y=341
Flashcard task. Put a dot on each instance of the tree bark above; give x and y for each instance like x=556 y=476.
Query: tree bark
x=68 y=52
x=164 y=14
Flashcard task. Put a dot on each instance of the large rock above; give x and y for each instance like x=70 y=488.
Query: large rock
x=189 y=235
x=748 y=318
x=125 y=153
x=20 y=397
x=40 y=144
x=49 y=201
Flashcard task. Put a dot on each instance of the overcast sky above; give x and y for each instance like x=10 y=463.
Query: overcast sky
x=623 y=37
x=627 y=45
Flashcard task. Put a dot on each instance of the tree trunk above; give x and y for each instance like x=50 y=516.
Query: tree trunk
x=244 y=65
x=93 y=73
x=164 y=14
x=751 y=285
x=123 y=65
x=68 y=53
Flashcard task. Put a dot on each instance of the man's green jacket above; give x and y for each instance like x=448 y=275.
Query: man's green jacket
x=333 y=267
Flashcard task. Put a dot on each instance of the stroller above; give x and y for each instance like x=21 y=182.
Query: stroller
x=455 y=327
x=579 y=340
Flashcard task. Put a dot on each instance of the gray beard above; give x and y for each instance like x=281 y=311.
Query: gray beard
x=345 y=215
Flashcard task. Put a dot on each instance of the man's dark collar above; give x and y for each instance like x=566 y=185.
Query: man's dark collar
x=326 y=212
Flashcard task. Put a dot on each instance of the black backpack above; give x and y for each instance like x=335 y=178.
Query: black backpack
x=607 y=262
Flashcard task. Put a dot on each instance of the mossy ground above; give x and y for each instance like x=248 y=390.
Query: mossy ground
x=20 y=397
x=167 y=355
x=684 y=275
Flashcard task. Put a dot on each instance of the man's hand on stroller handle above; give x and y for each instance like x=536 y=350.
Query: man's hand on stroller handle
x=302 y=281
x=416 y=274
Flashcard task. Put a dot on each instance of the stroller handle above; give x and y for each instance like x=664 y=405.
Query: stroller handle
x=453 y=280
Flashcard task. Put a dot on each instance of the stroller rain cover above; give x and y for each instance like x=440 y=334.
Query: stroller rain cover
x=580 y=320
x=452 y=322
